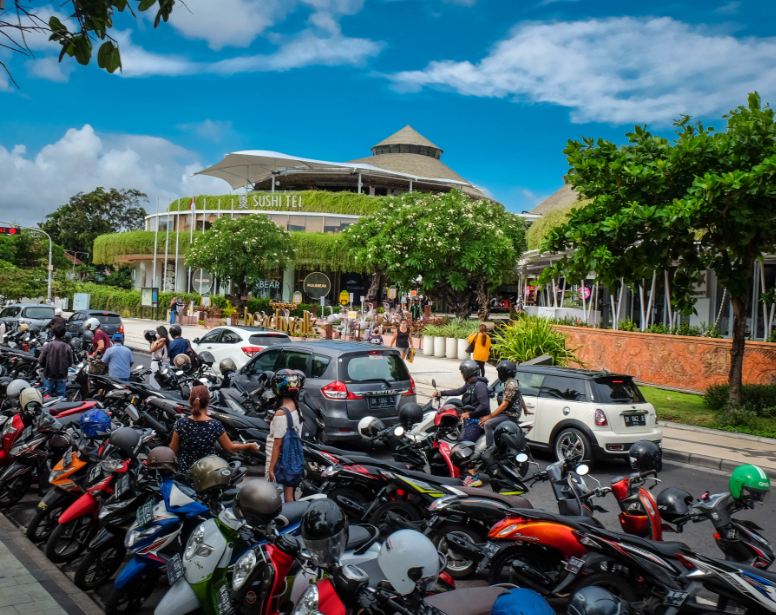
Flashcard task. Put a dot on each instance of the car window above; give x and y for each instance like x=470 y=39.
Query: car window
x=230 y=337
x=374 y=367
x=108 y=319
x=9 y=312
x=211 y=337
x=293 y=359
x=267 y=340
x=38 y=312
x=560 y=387
x=529 y=383
x=76 y=317
x=265 y=362
x=617 y=391
x=320 y=363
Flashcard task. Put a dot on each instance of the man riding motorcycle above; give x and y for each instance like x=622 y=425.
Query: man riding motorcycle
x=511 y=403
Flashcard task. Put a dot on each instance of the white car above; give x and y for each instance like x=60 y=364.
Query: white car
x=592 y=414
x=237 y=343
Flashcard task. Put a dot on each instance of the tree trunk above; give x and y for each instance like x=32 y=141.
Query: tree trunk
x=482 y=300
x=376 y=287
x=735 y=375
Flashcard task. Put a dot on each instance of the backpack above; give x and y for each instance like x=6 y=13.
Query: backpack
x=291 y=467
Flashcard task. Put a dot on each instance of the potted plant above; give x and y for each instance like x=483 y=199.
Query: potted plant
x=463 y=330
x=428 y=339
x=451 y=343
x=227 y=312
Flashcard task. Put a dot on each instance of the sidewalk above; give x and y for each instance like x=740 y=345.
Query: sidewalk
x=707 y=448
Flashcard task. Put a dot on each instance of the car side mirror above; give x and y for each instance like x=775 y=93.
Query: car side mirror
x=195 y=340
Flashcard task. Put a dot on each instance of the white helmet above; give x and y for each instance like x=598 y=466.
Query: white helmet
x=15 y=387
x=91 y=324
x=58 y=312
x=407 y=559
x=28 y=396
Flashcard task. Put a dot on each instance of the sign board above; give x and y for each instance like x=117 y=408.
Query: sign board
x=149 y=297
x=201 y=281
x=392 y=292
x=81 y=301
x=268 y=285
x=344 y=297
x=316 y=285
x=352 y=315
x=297 y=299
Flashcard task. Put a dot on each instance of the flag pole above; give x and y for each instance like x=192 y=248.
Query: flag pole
x=192 y=223
x=166 y=251
x=177 y=238
x=156 y=245
x=204 y=215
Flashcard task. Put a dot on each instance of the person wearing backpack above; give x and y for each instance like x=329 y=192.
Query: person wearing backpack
x=285 y=456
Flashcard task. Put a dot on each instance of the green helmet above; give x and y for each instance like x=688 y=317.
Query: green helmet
x=749 y=482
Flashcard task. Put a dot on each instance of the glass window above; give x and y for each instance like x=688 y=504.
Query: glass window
x=374 y=367
x=617 y=391
x=38 y=312
x=211 y=337
x=320 y=363
x=265 y=362
x=230 y=337
x=561 y=387
x=108 y=319
x=293 y=359
x=267 y=340
x=529 y=383
x=9 y=312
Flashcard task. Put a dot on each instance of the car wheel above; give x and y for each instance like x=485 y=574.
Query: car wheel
x=573 y=443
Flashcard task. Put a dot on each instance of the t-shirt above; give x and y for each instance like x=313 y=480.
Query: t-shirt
x=278 y=428
x=101 y=336
x=118 y=358
x=513 y=396
x=177 y=346
x=481 y=350
x=198 y=440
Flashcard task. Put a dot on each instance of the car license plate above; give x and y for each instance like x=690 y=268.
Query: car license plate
x=635 y=420
x=145 y=514
x=174 y=568
x=382 y=401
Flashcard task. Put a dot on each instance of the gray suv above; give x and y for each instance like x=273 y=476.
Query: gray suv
x=347 y=380
x=37 y=315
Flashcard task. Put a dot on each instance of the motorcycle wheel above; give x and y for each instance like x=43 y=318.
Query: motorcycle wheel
x=130 y=598
x=404 y=510
x=501 y=570
x=68 y=540
x=100 y=565
x=14 y=490
x=43 y=523
x=457 y=565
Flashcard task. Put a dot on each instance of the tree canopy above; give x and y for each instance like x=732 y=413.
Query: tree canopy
x=86 y=215
x=449 y=245
x=706 y=200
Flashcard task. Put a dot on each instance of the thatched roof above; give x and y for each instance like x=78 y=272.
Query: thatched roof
x=559 y=199
x=407 y=136
x=412 y=164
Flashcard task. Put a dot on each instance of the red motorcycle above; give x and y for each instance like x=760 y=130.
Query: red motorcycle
x=639 y=514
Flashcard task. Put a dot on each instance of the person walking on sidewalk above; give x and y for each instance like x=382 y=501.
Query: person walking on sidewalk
x=285 y=457
x=173 y=310
x=55 y=359
x=402 y=339
x=158 y=342
x=480 y=343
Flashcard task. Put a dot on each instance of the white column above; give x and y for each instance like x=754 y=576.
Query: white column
x=287 y=288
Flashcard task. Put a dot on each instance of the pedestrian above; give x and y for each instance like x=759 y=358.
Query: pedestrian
x=510 y=400
x=100 y=340
x=57 y=320
x=195 y=436
x=157 y=345
x=479 y=344
x=402 y=338
x=178 y=344
x=180 y=307
x=285 y=457
x=55 y=359
x=173 y=310
x=415 y=310
x=118 y=358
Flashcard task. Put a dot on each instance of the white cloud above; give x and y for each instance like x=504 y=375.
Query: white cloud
x=209 y=130
x=617 y=70
x=50 y=68
x=35 y=185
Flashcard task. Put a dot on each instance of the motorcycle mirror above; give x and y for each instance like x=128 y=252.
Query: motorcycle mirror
x=399 y=431
x=132 y=412
x=521 y=458
x=195 y=340
x=433 y=382
x=582 y=469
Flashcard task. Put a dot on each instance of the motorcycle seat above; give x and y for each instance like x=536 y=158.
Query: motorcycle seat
x=441 y=480
x=582 y=522
x=63 y=406
x=751 y=570
x=292 y=512
x=165 y=404
x=513 y=501
x=468 y=601
x=667 y=547
x=359 y=535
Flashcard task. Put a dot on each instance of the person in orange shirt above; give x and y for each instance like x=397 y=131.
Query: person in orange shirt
x=482 y=343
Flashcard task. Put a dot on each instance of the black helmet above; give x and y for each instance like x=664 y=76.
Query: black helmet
x=596 y=600
x=150 y=335
x=287 y=383
x=462 y=453
x=410 y=414
x=674 y=503
x=468 y=368
x=126 y=440
x=182 y=361
x=325 y=531
x=509 y=437
x=645 y=456
x=227 y=366
x=506 y=369
x=162 y=458
x=87 y=337
x=258 y=503
x=207 y=358
x=175 y=330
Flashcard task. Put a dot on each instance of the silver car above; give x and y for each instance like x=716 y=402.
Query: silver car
x=36 y=315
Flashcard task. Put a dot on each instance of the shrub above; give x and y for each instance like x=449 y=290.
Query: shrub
x=530 y=337
x=259 y=304
x=657 y=327
x=628 y=325
x=759 y=398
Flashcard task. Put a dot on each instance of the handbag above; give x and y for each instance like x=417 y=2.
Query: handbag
x=411 y=355
x=470 y=347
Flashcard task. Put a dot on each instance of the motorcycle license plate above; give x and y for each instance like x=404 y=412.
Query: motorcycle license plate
x=122 y=486
x=490 y=549
x=382 y=401
x=635 y=420
x=676 y=598
x=68 y=458
x=145 y=514
x=174 y=569
x=574 y=565
x=225 y=601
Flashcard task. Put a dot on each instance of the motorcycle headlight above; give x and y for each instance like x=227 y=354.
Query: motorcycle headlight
x=135 y=536
x=330 y=471
x=441 y=503
x=196 y=546
x=243 y=569
x=308 y=603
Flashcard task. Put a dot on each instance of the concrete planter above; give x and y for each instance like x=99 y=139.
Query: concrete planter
x=451 y=347
x=428 y=345
x=439 y=347
x=462 y=346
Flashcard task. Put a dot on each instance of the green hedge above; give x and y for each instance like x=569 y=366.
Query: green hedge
x=311 y=200
x=759 y=398
x=127 y=302
x=107 y=248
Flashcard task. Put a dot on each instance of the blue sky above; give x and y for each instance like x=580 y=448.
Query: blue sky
x=501 y=85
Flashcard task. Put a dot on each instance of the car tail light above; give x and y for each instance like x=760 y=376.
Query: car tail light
x=411 y=390
x=339 y=390
x=121 y=329
x=600 y=418
x=252 y=350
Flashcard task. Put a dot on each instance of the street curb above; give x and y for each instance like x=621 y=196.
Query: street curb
x=704 y=461
x=719 y=432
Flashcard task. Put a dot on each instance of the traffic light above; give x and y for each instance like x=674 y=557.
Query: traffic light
x=10 y=230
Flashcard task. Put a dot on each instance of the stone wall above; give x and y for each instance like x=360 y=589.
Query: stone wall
x=691 y=363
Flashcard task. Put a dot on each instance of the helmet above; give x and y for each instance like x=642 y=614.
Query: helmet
x=509 y=437
x=87 y=337
x=175 y=330
x=150 y=335
x=370 y=426
x=407 y=559
x=126 y=440
x=162 y=458
x=23 y=327
x=182 y=361
x=410 y=414
x=645 y=456
x=58 y=442
x=207 y=358
x=95 y=423
x=325 y=531
x=749 y=483
x=227 y=366
x=15 y=387
x=521 y=600
x=28 y=396
x=117 y=337
x=91 y=324
x=468 y=368
x=258 y=503
x=462 y=452
x=287 y=382
x=208 y=473
x=673 y=503
x=57 y=311
x=594 y=600
x=506 y=369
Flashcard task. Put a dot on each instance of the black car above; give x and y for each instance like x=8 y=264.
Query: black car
x=348 y=380
x=110 y=322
